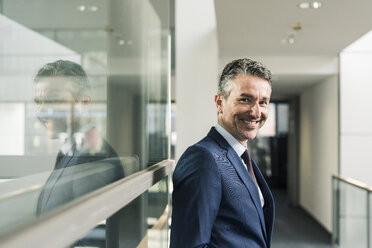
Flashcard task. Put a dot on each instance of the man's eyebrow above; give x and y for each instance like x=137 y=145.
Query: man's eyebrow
x=250 y=96
x=246 y=95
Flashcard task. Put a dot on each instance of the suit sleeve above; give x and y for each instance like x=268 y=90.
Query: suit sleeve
x=196 y=198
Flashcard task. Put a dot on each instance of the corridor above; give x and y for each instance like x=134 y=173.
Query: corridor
x=294 y=228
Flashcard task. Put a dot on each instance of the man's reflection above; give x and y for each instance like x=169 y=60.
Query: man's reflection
x=85 y=161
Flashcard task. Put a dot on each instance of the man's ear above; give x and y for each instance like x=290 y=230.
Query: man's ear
x=218 y=99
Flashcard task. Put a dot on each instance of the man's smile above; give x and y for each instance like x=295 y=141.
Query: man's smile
x=251 y=123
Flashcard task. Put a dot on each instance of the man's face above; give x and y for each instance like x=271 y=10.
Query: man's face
x=245 y=111
x=55 y=105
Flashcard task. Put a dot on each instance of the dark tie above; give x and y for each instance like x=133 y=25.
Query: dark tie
x=248 y=163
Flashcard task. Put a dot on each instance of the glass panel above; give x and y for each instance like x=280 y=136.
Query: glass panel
x=370 y=219
x=158 y=215
x=353 y=216
x=335 y=211
x=269 y=129
x=269 y=148
x=142 y=223
x=83 y=99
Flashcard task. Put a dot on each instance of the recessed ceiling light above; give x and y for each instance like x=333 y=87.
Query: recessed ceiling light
x=81 y=8
x=289 y=40
x=310 y=5
x=121 y=42
x=93 y=8
x=316 y=5
x=304 y=5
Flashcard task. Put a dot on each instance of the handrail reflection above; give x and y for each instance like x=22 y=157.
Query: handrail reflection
x=81 y=215
x=354 y=182
x=23 y=191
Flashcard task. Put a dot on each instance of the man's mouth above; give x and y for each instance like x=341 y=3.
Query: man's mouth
x=250 y=122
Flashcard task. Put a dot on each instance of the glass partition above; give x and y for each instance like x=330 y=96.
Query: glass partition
x=370 y=219
x=269 y=148
x=351 y=213
x=150 y=230
x=83 y=100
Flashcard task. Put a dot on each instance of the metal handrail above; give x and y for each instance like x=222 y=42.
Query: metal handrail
x=64 y=225
x=353 y=182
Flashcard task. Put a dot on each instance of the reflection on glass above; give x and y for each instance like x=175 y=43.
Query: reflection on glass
x=85 y=161
x=158 y=215
x=69 y=131
x=152 y=227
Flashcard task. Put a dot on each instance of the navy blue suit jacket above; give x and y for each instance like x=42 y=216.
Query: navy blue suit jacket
x=215 y=201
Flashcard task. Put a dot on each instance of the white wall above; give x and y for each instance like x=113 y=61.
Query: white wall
x=356 y=115
x=197 y=72
x=319 y=149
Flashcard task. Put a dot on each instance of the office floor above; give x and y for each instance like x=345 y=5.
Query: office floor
x=295 y=228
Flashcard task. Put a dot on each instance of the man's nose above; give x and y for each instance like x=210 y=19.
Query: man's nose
x=256 y=110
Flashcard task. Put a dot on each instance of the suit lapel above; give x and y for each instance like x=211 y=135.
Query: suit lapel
x=243 y=174
x=61 y=163
x=269 y=201
x=248 y=182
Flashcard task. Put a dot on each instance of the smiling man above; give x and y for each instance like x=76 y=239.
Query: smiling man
x=220 y=198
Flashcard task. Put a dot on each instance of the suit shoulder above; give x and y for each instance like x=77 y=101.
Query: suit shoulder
x=204 y=149
x=199 y=160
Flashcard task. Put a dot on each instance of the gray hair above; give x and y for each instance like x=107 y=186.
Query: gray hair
x=238 y=67
x=67 y=69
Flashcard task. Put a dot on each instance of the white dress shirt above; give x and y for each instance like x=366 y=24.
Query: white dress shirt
x=239 y=149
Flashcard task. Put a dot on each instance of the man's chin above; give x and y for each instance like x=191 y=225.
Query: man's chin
x=250 y=135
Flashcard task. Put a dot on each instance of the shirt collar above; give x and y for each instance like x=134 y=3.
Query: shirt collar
x=234 y=143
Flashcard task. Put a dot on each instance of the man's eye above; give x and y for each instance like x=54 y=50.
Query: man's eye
x=263 y=103
x=244 y=100
x=38 y=101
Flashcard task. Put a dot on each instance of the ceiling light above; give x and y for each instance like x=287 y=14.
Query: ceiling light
x=81 y=8
x=93 y=8
x=121 y=42
x=304 y=5
x=310 y=5
x=289 y=40
x=316 y=5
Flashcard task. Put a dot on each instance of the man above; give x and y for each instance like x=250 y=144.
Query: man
x=220 y=197
x=85 y=161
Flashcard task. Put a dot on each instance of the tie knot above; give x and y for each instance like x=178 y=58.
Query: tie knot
x=248 y=163
x=245 y=157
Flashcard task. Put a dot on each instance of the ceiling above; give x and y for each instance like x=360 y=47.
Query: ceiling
x=256 y=28
x=246 y=28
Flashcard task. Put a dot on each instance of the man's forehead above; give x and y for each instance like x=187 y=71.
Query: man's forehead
x=54 y=83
